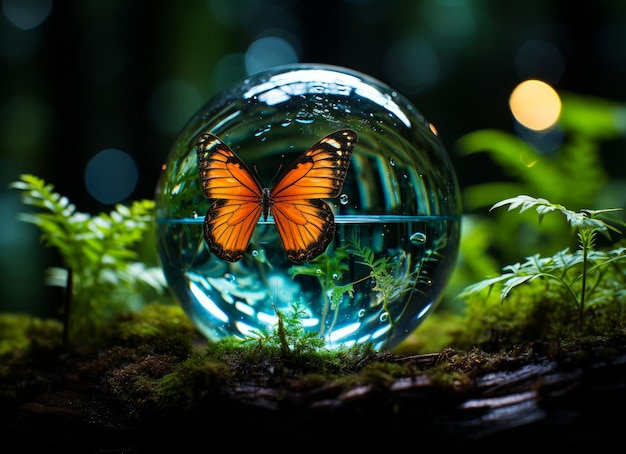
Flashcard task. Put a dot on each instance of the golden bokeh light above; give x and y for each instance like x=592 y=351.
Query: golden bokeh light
x=535 y=105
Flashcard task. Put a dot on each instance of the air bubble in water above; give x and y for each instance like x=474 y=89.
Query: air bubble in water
x=418 y=238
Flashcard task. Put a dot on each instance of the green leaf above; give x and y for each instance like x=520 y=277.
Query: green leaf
x=99 y=250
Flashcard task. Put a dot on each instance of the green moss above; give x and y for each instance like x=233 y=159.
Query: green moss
x=438 y=331
x=162 y=386
x=22 y=332
x=25 y=340
x=155 y=366
x=163 y=329
x=383 y=374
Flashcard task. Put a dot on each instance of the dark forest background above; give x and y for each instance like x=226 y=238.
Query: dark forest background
x=77 y=78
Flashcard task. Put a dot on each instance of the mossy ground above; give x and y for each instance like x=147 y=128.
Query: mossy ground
x=156 y=360
x=150 y=375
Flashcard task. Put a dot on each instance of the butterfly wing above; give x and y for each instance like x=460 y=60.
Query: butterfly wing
x=305 y=222
x=230 y=221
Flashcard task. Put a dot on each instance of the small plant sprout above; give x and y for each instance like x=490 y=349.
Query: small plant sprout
x=289 y=336
x=101 y=274
x=582 y=275
x=328 y=269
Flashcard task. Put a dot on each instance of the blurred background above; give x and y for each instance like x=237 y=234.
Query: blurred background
x=93 y=94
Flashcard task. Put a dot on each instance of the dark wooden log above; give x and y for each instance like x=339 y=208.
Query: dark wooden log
x=569 y=400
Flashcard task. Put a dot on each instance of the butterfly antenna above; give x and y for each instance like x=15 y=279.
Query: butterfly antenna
x=280 y=166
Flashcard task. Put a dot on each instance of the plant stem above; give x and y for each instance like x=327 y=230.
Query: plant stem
x=581 y=305
x=67 y=309
x=282 y=335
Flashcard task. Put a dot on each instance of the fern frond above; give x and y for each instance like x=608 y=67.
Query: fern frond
x=97 y=251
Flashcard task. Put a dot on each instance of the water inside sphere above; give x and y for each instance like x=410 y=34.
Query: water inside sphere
x=396 y=218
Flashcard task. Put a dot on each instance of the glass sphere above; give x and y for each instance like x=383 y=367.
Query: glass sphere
x=393 y=230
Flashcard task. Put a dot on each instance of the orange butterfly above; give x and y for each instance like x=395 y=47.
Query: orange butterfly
x=305 y=223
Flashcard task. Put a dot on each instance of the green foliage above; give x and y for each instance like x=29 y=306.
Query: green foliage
x=102 y=273
x=570 y=170
x=573 y=173
x=575 y=283
x=382 y=273
x=289 y=345
x=289 y=335
x=328 y=270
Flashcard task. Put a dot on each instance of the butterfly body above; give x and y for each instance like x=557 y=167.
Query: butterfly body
x=266 y=203
x=304 y=221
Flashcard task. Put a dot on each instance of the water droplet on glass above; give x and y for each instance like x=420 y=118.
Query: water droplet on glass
x=418 y=238
x=392 y=163
x=264 y=130
x=305 y=117
x=343 y=199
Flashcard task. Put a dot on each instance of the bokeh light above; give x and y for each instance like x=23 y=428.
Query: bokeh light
x=26 y=14
x=172 y=103
x=24 y=121
x=111 y=176
x=412 y=64
x=228 y=69
x=535 y=105
x=452 y=20
x=267 y=52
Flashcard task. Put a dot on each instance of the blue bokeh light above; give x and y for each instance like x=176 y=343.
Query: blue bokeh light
x=111 y=176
